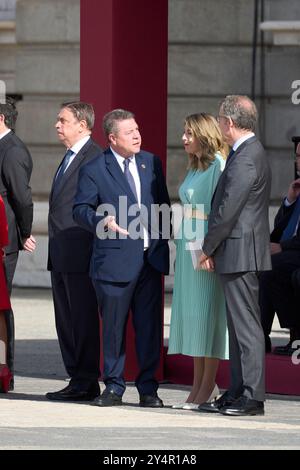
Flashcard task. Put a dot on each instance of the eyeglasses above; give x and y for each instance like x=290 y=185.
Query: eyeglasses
x=221 y=116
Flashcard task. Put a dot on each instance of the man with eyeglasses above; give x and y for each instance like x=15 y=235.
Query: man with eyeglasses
x=237 y=244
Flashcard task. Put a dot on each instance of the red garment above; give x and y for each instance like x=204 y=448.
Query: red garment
x=4 y=297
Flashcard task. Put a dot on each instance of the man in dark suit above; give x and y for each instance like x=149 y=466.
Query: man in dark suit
x=130 y=252
x=296 y=284
x=15 y=171
x=277 y=290
x=70 y=248
x=238 y=241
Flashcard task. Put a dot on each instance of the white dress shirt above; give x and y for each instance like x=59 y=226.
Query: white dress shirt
x=76 y=148
x=135 y=174
x=3 y=134
x=241 y=140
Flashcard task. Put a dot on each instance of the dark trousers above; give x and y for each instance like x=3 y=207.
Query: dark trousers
x=296 y=284
x=143 y=296
x=10 y=264
x=277 y=293
x=246 y=338
x=77 y=326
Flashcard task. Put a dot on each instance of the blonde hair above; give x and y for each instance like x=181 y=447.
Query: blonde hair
x=207 y=133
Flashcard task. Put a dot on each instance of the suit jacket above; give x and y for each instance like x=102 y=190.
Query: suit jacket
x=238 y=227
x=15 y=170
x=103 y=182
x=70 y=246
x=281 y=221
x=3 y=227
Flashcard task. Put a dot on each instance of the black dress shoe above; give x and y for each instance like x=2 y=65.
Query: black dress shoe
x=244 y=406
x=215 y=405
x=151 y=401
x=71 y=393
x=285 y=351
x=108 y=398
x=12 y=384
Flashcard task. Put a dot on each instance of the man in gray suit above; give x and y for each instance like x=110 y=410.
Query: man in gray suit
x=237 y=247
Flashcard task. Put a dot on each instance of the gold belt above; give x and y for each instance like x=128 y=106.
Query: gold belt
x=194 y=214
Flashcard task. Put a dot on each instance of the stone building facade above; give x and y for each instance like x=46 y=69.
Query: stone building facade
x=210 y=55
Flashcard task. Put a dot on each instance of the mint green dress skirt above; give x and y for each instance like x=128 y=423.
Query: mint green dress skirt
x=198 y=319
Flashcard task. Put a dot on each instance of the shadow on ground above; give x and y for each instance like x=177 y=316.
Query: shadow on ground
x=39 y=358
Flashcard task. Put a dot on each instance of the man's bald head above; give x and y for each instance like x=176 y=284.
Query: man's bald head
x=241 y=110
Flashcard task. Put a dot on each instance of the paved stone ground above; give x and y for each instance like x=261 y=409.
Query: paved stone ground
x=29 y=421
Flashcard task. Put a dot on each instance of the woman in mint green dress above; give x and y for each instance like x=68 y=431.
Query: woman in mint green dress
x=198 y=319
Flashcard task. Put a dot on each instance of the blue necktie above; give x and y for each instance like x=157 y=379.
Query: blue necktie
x=129 y=177
x=289 y=231
x=63 y=166
x=231 y=153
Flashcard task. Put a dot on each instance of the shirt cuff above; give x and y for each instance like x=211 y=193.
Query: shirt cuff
x=287 y=203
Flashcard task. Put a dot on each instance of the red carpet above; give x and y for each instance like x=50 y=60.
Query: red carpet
x=282 y=376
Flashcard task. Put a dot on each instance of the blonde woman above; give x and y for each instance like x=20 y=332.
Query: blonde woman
x=198 y=320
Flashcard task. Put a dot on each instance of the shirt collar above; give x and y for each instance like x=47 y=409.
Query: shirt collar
x=78 y=146
x=121 y=159
x=3 y=134
x=241 y=140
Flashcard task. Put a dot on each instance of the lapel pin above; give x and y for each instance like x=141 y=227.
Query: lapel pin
x=143 y=166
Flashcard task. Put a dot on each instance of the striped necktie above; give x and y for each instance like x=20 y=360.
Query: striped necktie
x=129 y=177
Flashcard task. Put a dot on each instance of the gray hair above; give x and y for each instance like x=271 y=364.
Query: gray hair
x=111 y=119
x=241 y=110
x=82 y=112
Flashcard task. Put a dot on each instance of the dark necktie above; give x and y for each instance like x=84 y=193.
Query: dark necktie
x=231 y=153
x=63 y=166
x=129 y=177
x=289 y=231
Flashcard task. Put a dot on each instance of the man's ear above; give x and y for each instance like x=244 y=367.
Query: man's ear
x=231 y=123
x=83 y=126
x=111 y=138
x=2 y=118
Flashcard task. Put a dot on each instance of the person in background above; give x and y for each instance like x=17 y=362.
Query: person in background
x=5 y=373
x=15 y=173
x=278 y=288
x=198 y=319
